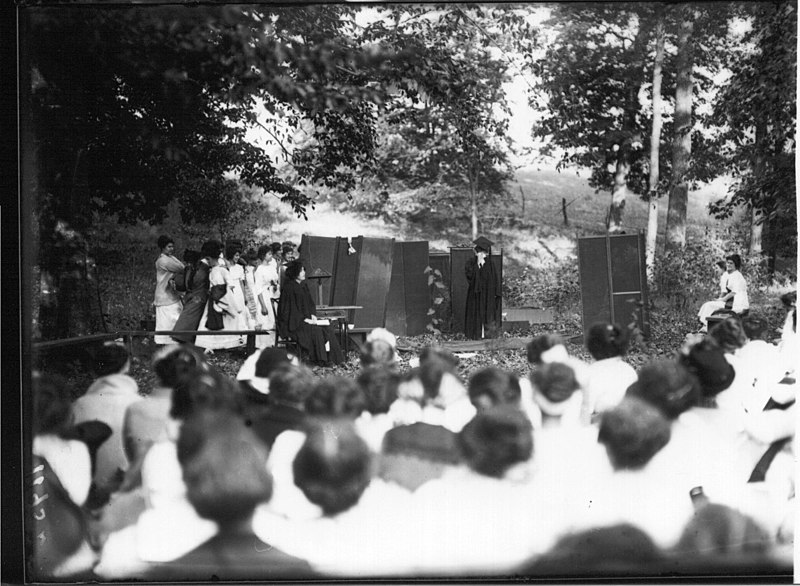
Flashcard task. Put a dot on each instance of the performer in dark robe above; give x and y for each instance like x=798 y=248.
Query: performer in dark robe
x=294 y=307
x=483 y=293
x=196 y=297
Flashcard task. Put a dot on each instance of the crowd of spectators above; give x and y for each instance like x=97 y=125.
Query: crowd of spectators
x=685 y=467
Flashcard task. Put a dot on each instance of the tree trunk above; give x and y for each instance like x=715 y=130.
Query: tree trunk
x=756 y=232
x=682 y=140
x=756 y=215
x=474 y=202
x=655 y=142
x=619 y=191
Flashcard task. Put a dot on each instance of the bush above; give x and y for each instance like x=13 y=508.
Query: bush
x=555 y=286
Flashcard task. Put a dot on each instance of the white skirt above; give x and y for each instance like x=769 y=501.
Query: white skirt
x=166 y=316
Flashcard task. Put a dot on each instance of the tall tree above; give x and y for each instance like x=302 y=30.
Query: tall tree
x=591 y=77
x=682 y=137
x=755 y=111
x=132 y=107
x=655 y=142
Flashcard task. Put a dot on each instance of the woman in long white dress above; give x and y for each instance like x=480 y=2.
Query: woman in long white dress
x=265 y=289
x=231 y=305
x=734 y=296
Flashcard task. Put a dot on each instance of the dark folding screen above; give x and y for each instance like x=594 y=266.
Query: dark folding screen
x=396 y=299
x=343 y=289
x=458 y=284
x=613 y=280
x=319 y=252
x=417 y=292
x=373 y=276
x=409 y=295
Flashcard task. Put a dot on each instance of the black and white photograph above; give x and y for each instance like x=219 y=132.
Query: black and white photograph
x=363 y=291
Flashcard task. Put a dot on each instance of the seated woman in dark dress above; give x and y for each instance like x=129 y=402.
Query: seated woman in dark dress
x=296 y=317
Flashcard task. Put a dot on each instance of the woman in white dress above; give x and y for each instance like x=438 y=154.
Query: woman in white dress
x=167 y=300
x=230 y=305
x=735 y=297
x=265 y=289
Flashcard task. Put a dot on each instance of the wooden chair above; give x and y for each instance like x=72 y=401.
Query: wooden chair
x=289 y=344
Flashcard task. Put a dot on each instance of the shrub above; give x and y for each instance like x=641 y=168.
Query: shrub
x=555 y=286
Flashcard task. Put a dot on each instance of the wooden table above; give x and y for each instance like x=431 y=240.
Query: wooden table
x=341 y=313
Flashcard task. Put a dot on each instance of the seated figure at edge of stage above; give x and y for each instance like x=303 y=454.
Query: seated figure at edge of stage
x=296 y=308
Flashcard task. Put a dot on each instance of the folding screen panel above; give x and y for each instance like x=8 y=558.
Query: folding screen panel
x=417 y=291
x=372 y=280
x=396 y=298
x=345 y=273
x=613 y=280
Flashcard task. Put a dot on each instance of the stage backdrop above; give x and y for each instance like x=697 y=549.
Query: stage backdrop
x=385 y=277
x=458 y=284
x=613 y=280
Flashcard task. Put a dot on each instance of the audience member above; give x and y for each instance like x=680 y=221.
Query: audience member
x=224 y=468
x=107 y=400
x=60 y=478
x=609 y=376
x=492 y=386
x=379 y=384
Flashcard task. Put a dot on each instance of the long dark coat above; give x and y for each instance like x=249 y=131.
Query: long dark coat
x=483 y=299
x=294 y=306
x=194 y=303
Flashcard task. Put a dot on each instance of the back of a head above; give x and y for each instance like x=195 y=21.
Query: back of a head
x=496 y=439
x=433 y=364
x=52 y=404
x=755 y=327
x=333 y=467
x=706 y=361
x=336 y=396
x=729 y=334
x=204 y=390
x=604 y=340
x=291 y=384
x=376 y=352
x=621 y=550
x=668 y=386
x=633 y=432
x=493 y=386
x=224 y=467
x=541 y=344
x=717 y=533
x=553 y=384
x=110 y=358
x=211 y=248
x=177 y=362
x=379 y=384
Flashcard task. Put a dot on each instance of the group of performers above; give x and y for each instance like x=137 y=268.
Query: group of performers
x=223 y=288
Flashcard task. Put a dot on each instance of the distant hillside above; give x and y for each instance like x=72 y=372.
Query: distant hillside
x=537 y=236
x=586 y=210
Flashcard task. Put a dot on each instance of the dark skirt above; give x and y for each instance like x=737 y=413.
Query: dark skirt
x=312 y=339
x=189 y=318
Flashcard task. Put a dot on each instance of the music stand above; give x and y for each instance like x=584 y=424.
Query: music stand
x=319 y=275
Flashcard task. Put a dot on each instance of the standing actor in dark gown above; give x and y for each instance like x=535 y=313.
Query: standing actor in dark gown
x=295 y=307
x=197 y=291
x=483 y=293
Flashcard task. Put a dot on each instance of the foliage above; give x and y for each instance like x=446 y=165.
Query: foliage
x=555 y=286
x=440 y=298
x=755 y=113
